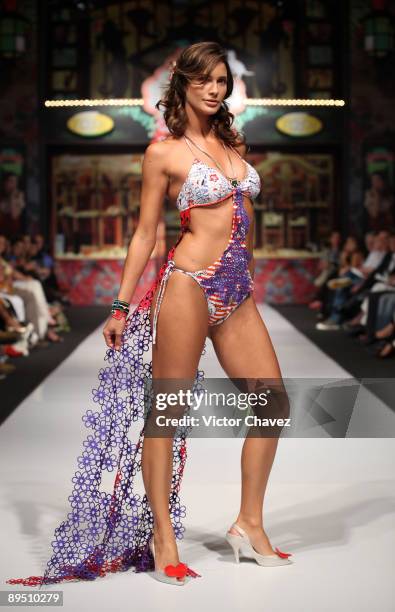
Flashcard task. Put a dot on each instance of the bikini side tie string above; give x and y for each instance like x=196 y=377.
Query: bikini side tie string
x=165 y=278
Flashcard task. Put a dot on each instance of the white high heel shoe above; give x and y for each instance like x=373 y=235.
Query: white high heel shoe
x=237 y=541
x=172 y=574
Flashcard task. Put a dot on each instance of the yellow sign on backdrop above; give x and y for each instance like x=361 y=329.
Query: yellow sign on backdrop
x=90 y=123
x=299 y=124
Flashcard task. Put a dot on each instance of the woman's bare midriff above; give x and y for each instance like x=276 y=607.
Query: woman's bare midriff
x=208 y=234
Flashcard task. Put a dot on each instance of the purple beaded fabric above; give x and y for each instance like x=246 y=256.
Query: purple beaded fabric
x=110 y=531
x=228 y=282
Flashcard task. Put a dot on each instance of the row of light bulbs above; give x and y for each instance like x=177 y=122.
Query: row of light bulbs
x=292 y=102
x=247 y=102
x=100 y=102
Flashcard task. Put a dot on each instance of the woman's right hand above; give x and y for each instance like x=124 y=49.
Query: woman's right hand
x=112 y=332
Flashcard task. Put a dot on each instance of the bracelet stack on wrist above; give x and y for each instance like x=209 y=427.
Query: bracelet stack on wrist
x=119 y=309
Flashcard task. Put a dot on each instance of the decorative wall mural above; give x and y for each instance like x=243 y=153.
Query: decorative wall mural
x=127 y=40
x=96 y=203
x=297 y=202
x=276 y=49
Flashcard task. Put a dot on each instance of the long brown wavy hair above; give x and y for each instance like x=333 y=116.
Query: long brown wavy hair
x=195 y=62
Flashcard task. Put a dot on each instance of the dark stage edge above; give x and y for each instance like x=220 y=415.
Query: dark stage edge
x=348 y=352
x=33 y=369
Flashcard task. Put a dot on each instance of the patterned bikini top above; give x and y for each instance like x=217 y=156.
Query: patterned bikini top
x=206 y=185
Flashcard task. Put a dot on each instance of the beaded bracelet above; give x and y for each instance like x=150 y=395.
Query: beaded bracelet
x=120 y=304
x=117 y=302
x=119 y=309
x=119 y=314
x=122 y=308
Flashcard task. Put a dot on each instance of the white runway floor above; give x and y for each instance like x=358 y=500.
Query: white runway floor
x=330 y=502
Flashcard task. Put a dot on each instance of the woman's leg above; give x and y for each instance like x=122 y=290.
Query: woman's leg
x=244 y=349
x=42 y=314
x=372 y=320
x=17 y=304
x=181 y=334
x=385 y=310
x=32 y=308
x=326 y=297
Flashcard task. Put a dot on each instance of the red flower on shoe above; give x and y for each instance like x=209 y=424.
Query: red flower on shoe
x=176 y=571
x=180 y=571
x=283 y=555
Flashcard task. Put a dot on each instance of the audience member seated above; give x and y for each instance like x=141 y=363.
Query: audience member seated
x=352 y=264
x=15 y=338
x=372 y=288
x=31 y=316
x=388 y=334
x=39 y=253
x=377 y=308
x=20 y=281
x=359 y=290
x=329 y=267
x=31 y=304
